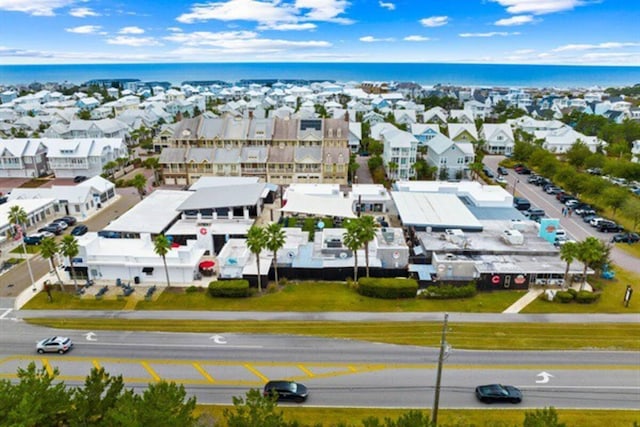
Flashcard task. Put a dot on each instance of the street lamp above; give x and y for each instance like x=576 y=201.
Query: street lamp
x=514 y=187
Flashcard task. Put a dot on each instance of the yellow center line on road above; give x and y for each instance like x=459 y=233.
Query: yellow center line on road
x=149 y=369
x=255 y=372
x=204 y=373
x=95 y=364
x=47 y=366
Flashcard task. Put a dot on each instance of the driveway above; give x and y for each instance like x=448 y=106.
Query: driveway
x=363 y=173
x=553 y=209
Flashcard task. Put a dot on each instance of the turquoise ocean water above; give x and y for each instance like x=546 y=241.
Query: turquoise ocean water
x=428 y=74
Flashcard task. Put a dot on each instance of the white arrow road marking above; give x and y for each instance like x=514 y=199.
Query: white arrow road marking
x=545 y=377
x=6 y=313
x=218 y=339
x=91 y=336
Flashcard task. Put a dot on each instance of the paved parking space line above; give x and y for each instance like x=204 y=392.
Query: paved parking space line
x=306 y=371
x=7 y=311
x=204 y=373
x=256 y=372
x=149 y=369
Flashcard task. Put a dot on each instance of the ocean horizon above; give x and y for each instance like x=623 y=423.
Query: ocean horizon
x=511 y=75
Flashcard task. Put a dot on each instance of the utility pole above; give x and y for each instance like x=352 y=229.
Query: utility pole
x=436 y=397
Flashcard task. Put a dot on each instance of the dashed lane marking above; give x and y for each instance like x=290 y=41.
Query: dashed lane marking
x=306 y=371
x=149 y=369
x=6 y=313
x=204 y=373
x=256 y=372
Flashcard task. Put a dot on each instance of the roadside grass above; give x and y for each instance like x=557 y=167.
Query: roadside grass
x=31 y=249
x=299 y=296
x=631 y=249
x=610 y=298
x=69 y=301
x=489 y=336
x=329 y=417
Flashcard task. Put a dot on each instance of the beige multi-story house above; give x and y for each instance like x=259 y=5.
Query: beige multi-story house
x=278 y=150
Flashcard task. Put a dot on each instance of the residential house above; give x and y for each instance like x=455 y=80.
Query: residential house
x=399 y=153
x=355 y=136
x=435 y=115
x=73 y=157
x=562 y=139
x=404 y=117
x=498 y=138
x=463 y=132
x=461 y=116
x=450 y=157
x=372 y=118
x=23 y=158
x=424 y=132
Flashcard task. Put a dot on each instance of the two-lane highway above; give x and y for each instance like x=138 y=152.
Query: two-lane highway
x=215 y=367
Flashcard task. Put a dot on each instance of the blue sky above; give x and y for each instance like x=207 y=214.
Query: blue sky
x=593 y=32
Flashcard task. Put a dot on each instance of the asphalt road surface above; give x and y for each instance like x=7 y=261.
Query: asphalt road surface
x=216 y=367
x=573 y=225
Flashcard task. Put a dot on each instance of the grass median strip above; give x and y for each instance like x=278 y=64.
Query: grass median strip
x=489 y=336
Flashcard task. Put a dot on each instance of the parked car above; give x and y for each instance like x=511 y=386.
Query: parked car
x=3 y=199
x=54 y=345
x=488 y=172
x=79 y=178
x=287 y=390
x=109 y=234
x=521 y=203
x=589 y=218
x=596 y=221
x=534 y=212
x=79 y=230
x=553 y=190
x=524 y=171
x=532 y=179
x=500 y=180
x=36 y=238
x=498 y=393
x=52 y=228
x=626 y=238
x=69 y=220
x=609 y=227
x=502 y=170
x=61 y=223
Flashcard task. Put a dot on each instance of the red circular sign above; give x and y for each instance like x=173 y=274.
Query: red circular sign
x=519 y=279
x=203 y=231
x=495 y=279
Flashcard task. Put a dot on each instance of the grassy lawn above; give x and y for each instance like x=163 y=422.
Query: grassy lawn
x=503 y=336
x=68 y=301
x=458 y=417
x=326 y=296
x=31 y=249
x=610 y=299
x=633 y=248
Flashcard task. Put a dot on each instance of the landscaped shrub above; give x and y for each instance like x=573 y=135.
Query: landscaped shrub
x=229 y=288
x=564 y=297
x=192 y=289
x=387 y=288
x=586 y=297
x=449 y=291
x=272 y=288
x=572 y=292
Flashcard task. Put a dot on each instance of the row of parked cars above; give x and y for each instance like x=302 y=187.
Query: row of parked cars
x=56 y=228
x=573 y=206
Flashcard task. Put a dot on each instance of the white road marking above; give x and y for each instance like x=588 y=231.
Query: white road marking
x=6 y=313
x=168 y=345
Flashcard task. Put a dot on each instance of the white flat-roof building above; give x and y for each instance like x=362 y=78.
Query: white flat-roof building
x=127 y=259
x=480 y=195
x=36 y=209
x=434 y=211
x=371 y=197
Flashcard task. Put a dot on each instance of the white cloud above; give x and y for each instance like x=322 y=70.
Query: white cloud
x=288 y=27
x=270 y=13
x=524 y=51
x=514 y=20
x=242 y=41
x=489 y=34
x=131 y=30
x=134 y=41
x=416 y=39
x=435 y=21
x=387 y=5
x=606 y=45
x=34 y=7
x=83 y=12
x=174 y=29
x=84 y=29
x=539 y=7
x=371 y=39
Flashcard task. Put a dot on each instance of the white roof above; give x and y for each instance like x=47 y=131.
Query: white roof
x=434 y=210
x=319 y=205
x=97 y=182
x=29 y=205
x=480 y=195
x=313 y=189
x=222 y=181
x=152 y=214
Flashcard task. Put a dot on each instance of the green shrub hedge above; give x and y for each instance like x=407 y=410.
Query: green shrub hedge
x=449 y=291
x=586 y=297
x=564 y=297
x=230 y=288
x=387 y=288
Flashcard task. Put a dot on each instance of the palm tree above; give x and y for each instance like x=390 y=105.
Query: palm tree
x=48 y=249
x=18 y=217
x=568 y=253
x=367 y=232
x=351 y=240
x=393 y=168
x=256 y=241
x=590 y=250
x=274 y=241
x=139 y=181
x=69 y=248
x=162 y=246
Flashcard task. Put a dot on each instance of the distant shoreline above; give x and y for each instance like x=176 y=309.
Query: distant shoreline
x=461 y=74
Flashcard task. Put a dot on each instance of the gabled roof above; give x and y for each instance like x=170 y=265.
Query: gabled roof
x=254 y=154
x=199 y=155
x=439 y=144
x=456 y=129
x=226 y=155
x=308 y=154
